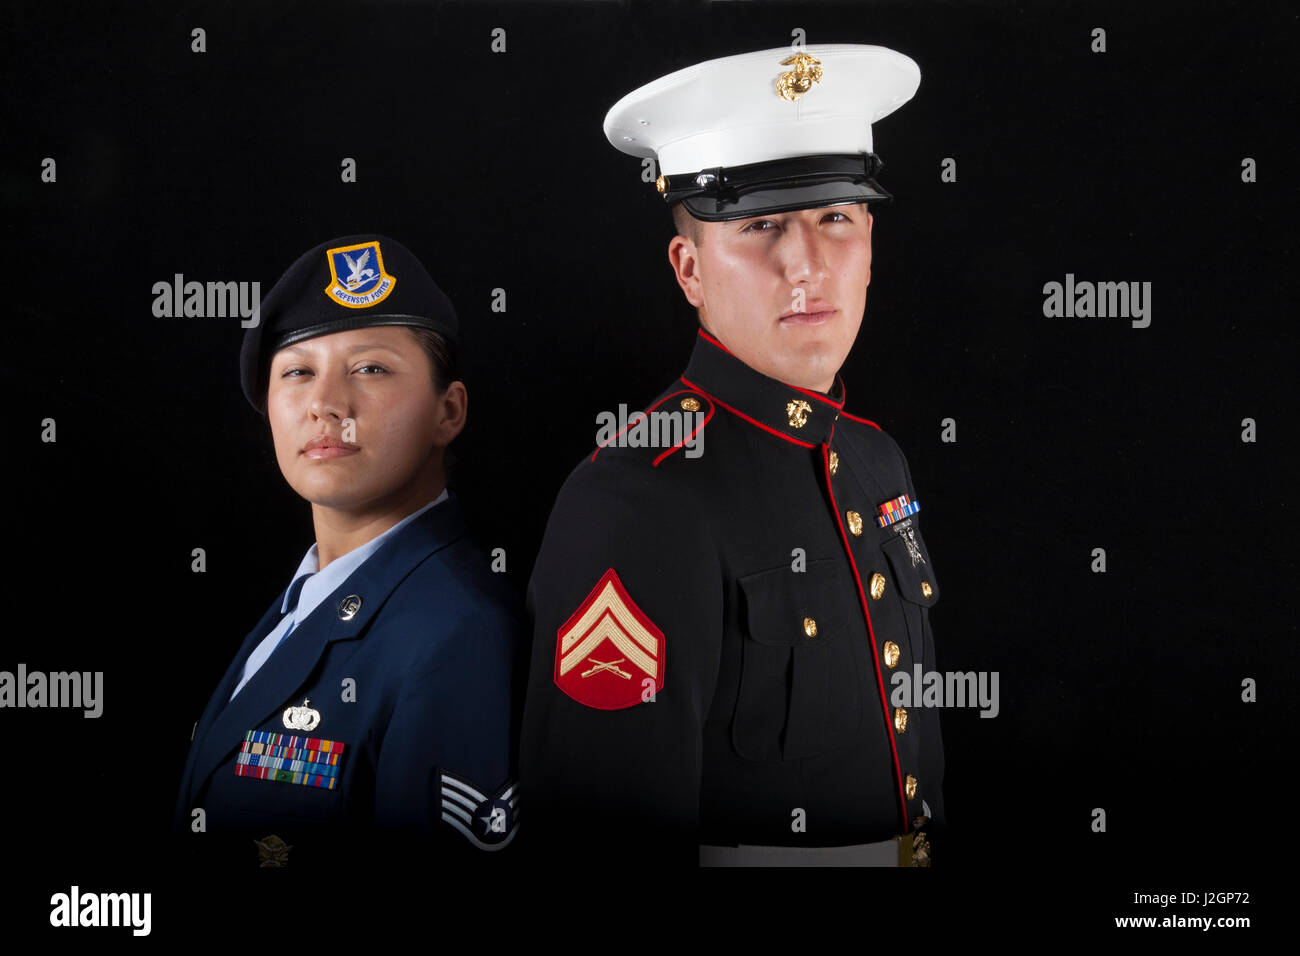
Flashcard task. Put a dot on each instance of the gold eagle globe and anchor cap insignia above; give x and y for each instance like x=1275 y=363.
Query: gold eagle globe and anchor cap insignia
x=793 y=84
x=728 y=144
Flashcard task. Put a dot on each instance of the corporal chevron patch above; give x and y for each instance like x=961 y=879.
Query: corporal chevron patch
x=609 y=651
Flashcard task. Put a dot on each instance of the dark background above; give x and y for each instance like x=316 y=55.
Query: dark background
x=1118 y=690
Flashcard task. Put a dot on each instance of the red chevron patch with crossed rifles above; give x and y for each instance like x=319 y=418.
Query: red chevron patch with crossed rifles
x=606 y=651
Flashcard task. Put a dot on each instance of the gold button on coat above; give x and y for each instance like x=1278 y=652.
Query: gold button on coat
x=891 y=654
x=910 y=787
x=926 y=589
x=900 y=719
x=835 y=463
x=855 y=522
x=810 y=627
x=877 y=586
x=691 y=404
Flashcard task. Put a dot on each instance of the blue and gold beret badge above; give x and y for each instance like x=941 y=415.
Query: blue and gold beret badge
x=357 y=276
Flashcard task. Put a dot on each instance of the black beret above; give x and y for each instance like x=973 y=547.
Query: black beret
x=352 y=282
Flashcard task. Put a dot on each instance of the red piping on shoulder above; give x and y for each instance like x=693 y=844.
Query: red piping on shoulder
x=766 y=428
x=631 y=423
x=863 y=420
x=695 y=431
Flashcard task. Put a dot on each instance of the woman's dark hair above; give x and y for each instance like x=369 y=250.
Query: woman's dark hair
x=442 y=356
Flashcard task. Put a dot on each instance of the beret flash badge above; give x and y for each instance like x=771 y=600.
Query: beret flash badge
x=357 y=276
x=608 y=648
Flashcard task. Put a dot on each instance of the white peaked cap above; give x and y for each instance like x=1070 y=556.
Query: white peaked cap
x=730 y=112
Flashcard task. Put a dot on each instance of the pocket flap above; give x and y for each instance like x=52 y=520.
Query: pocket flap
x=779 y=602
x=914 y=580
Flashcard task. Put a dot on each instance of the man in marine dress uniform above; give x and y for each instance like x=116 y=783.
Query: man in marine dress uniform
x=715 y=632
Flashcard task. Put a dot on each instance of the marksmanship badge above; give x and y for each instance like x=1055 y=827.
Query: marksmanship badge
x=895 y=513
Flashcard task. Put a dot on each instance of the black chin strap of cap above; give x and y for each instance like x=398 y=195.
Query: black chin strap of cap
x=726 y=183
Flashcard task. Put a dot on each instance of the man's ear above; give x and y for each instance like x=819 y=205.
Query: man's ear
x=685 y=260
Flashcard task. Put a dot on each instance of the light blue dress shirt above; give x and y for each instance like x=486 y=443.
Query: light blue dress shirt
x=317 y=587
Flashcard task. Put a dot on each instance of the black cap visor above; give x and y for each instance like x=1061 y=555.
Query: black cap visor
x=762 y=202
x=723 y=193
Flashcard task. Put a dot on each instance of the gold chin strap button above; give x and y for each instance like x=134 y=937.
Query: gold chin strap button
x=877 y=587
x=900 y=719
x=661 y=184
x=835 y=463
x=855 y=522
x=690 y=404
x=910 y=787
x=810 y=627
x=926 y=589
x=891 y=654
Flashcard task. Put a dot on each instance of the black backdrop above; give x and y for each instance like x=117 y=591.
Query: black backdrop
x=1119 y=690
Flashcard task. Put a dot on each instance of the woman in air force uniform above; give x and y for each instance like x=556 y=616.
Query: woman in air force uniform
x=376 y=690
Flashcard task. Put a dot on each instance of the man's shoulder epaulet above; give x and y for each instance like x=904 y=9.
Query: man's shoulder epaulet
x=673 y=422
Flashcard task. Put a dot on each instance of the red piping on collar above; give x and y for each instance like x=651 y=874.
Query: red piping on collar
x=863 y=420
x=838 y=406
x=709 y=338
x=766 y=428
x=811 y=394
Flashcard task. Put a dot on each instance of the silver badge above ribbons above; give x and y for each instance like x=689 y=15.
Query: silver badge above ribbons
x=303 y=717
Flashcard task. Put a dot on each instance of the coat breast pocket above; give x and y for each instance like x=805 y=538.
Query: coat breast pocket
x=915 y=579
x=799 y=686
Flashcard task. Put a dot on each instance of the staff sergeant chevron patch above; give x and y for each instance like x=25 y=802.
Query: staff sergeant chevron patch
x=609 y=649
x=488 y=822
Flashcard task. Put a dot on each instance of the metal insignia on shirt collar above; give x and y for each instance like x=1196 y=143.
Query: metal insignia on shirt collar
x=349 y=606
x=797 y=413
x=304 y=717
